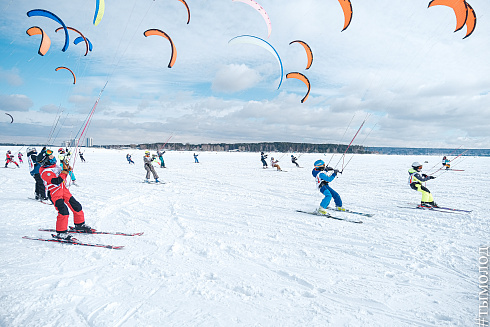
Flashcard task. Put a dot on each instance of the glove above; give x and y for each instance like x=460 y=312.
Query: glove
x=424 y=175
x=336 y=171
x=432 y=177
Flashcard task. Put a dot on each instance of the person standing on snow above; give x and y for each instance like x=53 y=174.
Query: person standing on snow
x=262 y=158
x=128 y=158
x=274 y=163
x=9 y=159
x=293 y=160
x=160 y=156
x=40 y=190
x=445 y=163
x=415 y=180
x=149 y=167
x=64 y=157
x=195 y=158
x=322 y=182
x=81 y=156
x=54 y=178
x=19 y=155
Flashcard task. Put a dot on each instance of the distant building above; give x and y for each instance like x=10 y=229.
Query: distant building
x=90 y=142
x=73 y=142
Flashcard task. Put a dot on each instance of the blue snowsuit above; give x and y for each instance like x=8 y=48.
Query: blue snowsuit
x=322 y=180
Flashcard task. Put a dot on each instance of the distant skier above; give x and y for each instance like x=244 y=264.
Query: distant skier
x=128 y=158
x=274 y=163
x=322 y=182
x=81 y=156
x=39 y=190
x=160 y=156
x=19 y=155
x=262 y=158
x=415 y=180
x=64 y=157
x=293 y=160
x=445 y=163
x=195 y=158
x=54 y=178
x=9 y=159
x=149 y=167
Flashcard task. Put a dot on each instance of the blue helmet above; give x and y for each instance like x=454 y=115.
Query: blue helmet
x=319 y=163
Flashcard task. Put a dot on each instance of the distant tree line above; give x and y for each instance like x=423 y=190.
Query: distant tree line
x=257 y=147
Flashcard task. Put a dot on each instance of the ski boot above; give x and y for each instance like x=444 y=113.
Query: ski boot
x=340 y=208
x=83 y=228
x=64 y=236
x=322 y=211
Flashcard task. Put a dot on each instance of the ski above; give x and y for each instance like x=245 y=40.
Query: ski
x=353 y=212
x=74 y=242
x=451 y=209
x=314 y=213
x=93 y=231
x=42 y=201
x=152 y=182
x=431 y=209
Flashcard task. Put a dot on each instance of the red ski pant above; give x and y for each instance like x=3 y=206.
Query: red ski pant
x=62 y=201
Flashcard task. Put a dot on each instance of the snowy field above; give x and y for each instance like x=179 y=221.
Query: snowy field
x=223 y=245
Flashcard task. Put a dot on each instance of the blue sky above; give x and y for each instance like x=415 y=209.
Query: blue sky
x=399 y=62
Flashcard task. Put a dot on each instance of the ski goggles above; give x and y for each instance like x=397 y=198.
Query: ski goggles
x=49 y=152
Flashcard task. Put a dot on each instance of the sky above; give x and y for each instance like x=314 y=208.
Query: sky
x=399 y=65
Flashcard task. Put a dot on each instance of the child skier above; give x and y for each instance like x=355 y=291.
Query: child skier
x=54 y=178
x=81 y=156
x=64 y=157
x=9 y=159
x=19 y=155
x=149 y=167
x=128 y=158
x=415 y=180
x=262 y=158
x=195 y=158
x=274 y=163
x=322 y=180
x=40 y=190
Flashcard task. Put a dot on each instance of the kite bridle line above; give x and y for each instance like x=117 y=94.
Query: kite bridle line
x=343 y=155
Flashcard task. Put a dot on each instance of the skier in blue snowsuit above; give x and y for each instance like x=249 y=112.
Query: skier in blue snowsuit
x=322 y=180
x=195 y=158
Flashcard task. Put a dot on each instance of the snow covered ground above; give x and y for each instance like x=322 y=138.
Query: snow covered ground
x=223 y=245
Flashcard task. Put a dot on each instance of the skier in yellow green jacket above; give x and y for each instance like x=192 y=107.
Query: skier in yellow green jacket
x=415 y=180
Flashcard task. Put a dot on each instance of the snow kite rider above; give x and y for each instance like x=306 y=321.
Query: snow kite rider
x=195 y=158
x=54 y=178
x=40 y=190
x=294 y=161
x=9 y=159
x=262 y=158
x=149 y=167
x=64 y=157
x=128 y=158
x=322 y=182
x=445 y=163
x=19 y=155
x=160 y=156
x=415 y=180
x=274 y=163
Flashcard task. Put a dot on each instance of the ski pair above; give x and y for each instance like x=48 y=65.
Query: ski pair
x=314 y=213
x=92 y=231
x=77 y=242
x=353 y=212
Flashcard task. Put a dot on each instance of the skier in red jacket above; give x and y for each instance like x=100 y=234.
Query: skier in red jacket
x=54 y=178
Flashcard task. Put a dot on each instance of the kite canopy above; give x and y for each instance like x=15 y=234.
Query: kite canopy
x=262 y=11
x=48 y=14
x=45 y=40
x=11 y=118
x=309 y=54
x=347 y=9
x=99 y=11
x=302 y=78
x=249 y=39
x=74 y=77
x=173 y=56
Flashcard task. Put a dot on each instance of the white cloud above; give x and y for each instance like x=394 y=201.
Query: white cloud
x=233 y=78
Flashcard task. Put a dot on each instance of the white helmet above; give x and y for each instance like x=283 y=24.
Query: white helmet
x=416 y=165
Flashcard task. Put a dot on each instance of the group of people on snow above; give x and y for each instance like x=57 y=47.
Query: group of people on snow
x=50 y=183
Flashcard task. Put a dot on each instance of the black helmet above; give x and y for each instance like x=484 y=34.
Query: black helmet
x=43 y=157
x=262 y=153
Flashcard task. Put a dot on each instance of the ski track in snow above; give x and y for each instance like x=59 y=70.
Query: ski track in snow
x=223 y=246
